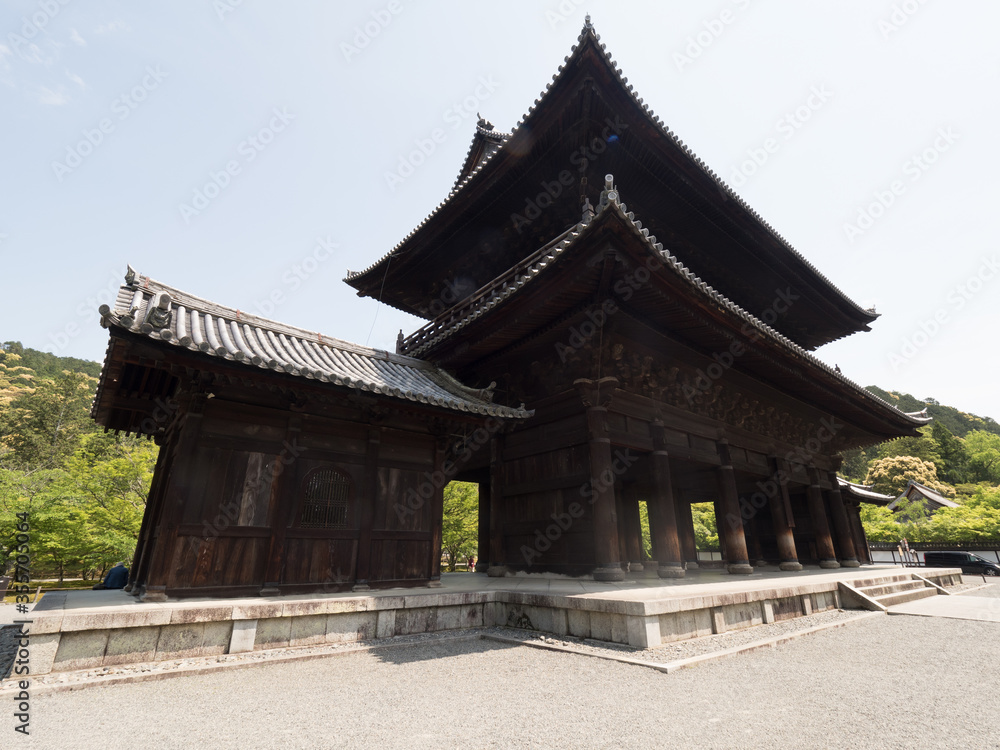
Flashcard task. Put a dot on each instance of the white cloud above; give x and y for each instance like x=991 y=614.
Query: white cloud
x=76 y=79
x=45 y=95
x=75 y=36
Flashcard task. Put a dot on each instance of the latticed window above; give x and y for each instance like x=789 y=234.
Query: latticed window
x=326 y=501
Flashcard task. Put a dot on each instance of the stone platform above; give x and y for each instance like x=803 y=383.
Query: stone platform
x=88 y=629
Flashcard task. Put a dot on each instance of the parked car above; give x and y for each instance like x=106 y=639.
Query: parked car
x=968 y=562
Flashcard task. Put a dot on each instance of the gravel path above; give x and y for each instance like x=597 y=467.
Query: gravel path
x=868 y=685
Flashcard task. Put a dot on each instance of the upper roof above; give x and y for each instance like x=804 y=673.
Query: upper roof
x=915 y=488
x=165 y=314
x=442 y=335
x=705 y=223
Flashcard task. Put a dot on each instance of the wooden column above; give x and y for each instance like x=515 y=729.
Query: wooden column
x=483 y=548
x=596 y=395
x=685 y=531
x=753 y=540
x=497 y=566
x=369 y=498
x=781 y=517
x=841 y=525
x=858 y=529
x=736 y=543
x=663 y=511
x=181 y=484
x=283 y=502
x=720 y=527
x=631 y=525
x=821 y=527
x=437 y=513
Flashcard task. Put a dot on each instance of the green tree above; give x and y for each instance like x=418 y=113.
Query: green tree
x=954 y=465
x=706 y=534
x=983 y=449
x=460 y=528
x=890 y=475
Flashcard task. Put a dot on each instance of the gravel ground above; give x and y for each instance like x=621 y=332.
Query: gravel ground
x=868 y=685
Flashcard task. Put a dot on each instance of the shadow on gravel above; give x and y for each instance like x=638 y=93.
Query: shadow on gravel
x=438 y=650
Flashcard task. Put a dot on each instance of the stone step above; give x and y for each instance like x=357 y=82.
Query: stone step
x=890 y=588
x=864 y=583
x=906 y=596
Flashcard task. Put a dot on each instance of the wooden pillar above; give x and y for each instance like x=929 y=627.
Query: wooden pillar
x=736 y=544
x=369 y=497
x=781 y=517
x=596 y=395
x=753 y=540
x=180 y=486
x=720 y=527
x=860 y=540
x=821 y=527
x=663 y=511
x=437 y=513
x=483 y=548
x=281 y=506
x=631 y=525
x=685 y=531
x=841 y=525
x=497 y=565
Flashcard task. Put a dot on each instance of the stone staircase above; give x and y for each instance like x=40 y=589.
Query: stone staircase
x=882 y=593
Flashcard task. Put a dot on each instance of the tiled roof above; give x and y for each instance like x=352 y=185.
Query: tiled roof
x=524 y=273
x=487 y=142
x=927 y=492
x=863 y=492
x=162 y=313
x=589 y=34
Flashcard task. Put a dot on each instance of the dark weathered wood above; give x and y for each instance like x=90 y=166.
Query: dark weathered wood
x=821 y=527
x=736 y=547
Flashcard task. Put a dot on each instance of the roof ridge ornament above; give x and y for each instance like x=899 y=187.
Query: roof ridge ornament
x=130 y=275
x=610 y=194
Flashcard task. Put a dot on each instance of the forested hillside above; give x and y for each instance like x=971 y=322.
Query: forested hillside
x=84 y=490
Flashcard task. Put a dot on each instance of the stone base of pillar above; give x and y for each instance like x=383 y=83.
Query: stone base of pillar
x=759 y=563
x=740 y=569
x=482 y=567
x=153 y=594
x=497 y=571
x=691 y=565
x=850 y=564
x=635 y=567
x=361 y=586
x=829 y=564
x=666 y=570
x=612 y=572
x=434 y=583
x=791 y=565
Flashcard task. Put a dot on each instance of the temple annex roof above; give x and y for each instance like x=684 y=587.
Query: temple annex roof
x=156 y=311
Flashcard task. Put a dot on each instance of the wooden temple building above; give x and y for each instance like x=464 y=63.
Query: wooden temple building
x=608 y=324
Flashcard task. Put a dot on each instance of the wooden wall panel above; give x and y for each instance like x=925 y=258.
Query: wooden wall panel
x=399 y=560
x=400 y=506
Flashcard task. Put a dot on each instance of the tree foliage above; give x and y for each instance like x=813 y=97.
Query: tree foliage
x=890 y=475
x=460 y=528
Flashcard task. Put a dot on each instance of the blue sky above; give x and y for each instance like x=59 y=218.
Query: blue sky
x=864 y=131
